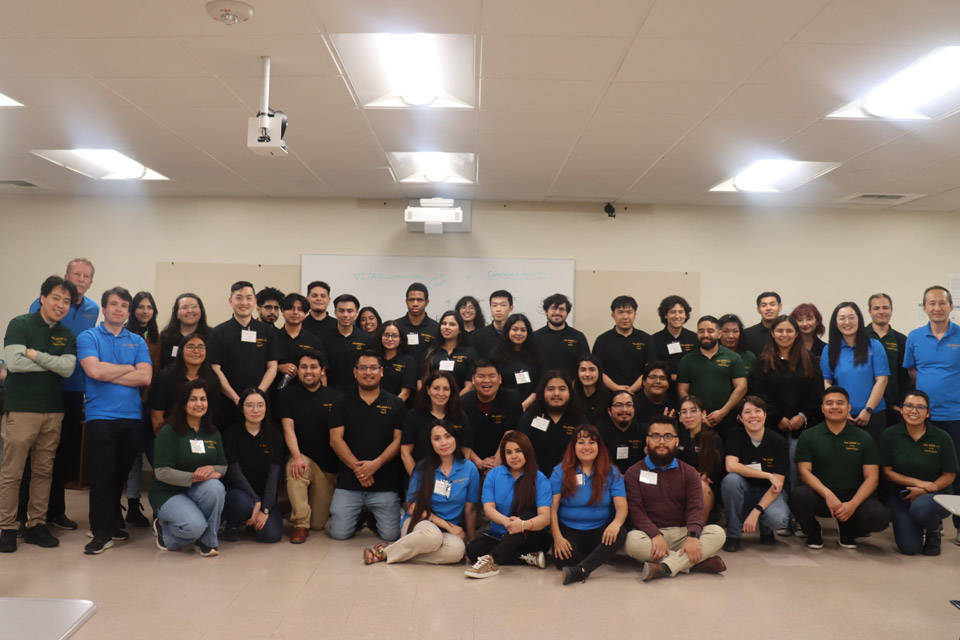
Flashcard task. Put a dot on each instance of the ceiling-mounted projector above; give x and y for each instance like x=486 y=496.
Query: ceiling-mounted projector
x=438 y=215
x=265 y=130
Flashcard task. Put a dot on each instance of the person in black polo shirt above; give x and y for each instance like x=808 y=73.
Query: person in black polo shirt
x=520 y=360
x=621 y=431
x=589 y=390
x=552 y=419
x=188 y=316
x=492 y=410
x=416 y=325
x=485 y=338
x=624 y=350
x=318 y=321
x=342 y=345
x=242 y=352
x=561 y=344
x=757 y=464
x=292 y=339
x=437 y=400
x=307 y=412
x=449 y=352
x=367 y=444
x=655 y=398
x=268 y=306
x=401 y=372
x=673 y=341
x=839 y=468
x=880 y=307
x=769 y=307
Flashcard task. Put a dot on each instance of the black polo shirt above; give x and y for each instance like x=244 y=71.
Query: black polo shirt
x=689 y=451
x=550 y=441
x=368 y=429
x=462 y=359
x=645 y=410
x=425 y=332
x=243 y=362
x=400 y=373
x=625 y=447
x=623 y=357
x=755 y=338
x=291 y=348
x=319 y=327
x=313 y=413
x=254 y=456
x=562 y=349
x=342 y=355
x=513 y=368
x=490 y=422
x=895 y=346
x=773 y=454
x=670 y=349
x=593 y=407
x=484 y=339
x=416 y=431
x=788 y=393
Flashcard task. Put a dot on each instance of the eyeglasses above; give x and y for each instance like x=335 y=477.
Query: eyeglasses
x=195 y=347
x=188 y=307
x=689 y=412
x=391 y=336
x=909 y=406
x=622 y=405
x=259 y=405
x=368 y=368
x=666 y=437
x=660 y=378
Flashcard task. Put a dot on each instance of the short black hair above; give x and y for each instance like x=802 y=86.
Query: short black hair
x=708 y=319
x=314 y=354
x=502 y=293
x=917 y=392
x=241 y=284
x=756 y=401
x=368 y=353
x=53 y=282
x=650 y=367
x=617 y=393
x=287 y=303
x=318 y=283
x=938 y=287
x=269 y=293
x=663 y=420
x=879 y=295
x=346 y=297
x=417 y=286
x=120 y=292
x=769 y=294
x=623 y=301
x=557 y=299
x=836 y=389
x=486 y=362
x=669 y=303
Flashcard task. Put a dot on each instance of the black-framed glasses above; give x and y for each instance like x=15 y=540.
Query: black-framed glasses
x=666 y=437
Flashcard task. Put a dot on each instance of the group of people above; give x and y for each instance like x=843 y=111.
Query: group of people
x=646 y=443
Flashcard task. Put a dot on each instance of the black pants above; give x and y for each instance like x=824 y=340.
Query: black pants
x=66 y=464
x=508 y=549
x=111 y=447
x=870 y=516
x=588 y=549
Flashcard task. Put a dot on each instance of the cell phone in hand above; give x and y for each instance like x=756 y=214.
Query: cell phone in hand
x=905 y=492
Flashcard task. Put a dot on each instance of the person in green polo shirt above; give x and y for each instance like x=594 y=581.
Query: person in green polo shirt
x=919 y=462
x=839 y=471
x=880 y=308
x=40 y=352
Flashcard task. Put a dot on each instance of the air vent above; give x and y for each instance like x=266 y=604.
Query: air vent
x=881 y=199
x=16 y=184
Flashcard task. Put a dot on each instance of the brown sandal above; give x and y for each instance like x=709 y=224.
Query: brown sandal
x=377 y=553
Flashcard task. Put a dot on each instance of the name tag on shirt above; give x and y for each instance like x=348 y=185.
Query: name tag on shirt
x=413 y=339
x=648 y=477
x=756 y=466
x=442 y=488
x=174 y=351
x=540 y=423
x=522 y=377
x=196 y=446
x=579 y=479
x=623 y=453
x=674 y=347
x=447 y=365
x=248 y=336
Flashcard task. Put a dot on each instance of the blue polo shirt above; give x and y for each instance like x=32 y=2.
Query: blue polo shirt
x=673 y=464
x=78 y=319
x=938 y=369
x=859 y=379
x=464 y=482
x=107 y=400
x=576 y=512
x=498 y=489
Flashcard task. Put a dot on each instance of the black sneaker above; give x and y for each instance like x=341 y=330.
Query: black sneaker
x=815 y=538
x=574 y=574
x=158 y=531
x=8 y=541
x=99 y=544
x=205 y=551
x=767 y=538
x=847 y=541
x=732 y=545
x=119 y=535
x=135 y=513
x=931 y=545
x=231 y=532
x=40 y=536
x=61 y=522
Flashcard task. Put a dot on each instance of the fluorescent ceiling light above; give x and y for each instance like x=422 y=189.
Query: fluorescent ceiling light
x=412 y=66
x=900 y=96
x=6 y=101
x=99 y=164
x=775 y=176
x=433 y=166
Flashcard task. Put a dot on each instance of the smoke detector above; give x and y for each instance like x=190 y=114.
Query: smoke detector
x=229 y=12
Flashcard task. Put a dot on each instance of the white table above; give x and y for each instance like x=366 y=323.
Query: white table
x=43 y=619
x=949 y=502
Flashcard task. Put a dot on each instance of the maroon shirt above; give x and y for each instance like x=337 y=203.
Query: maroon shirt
x=675 y=501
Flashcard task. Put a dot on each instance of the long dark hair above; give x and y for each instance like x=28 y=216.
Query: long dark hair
x=525 y=488
x=179 y=421
x=378 y=339
x=594 y=360
x=438 y=340
x=861 y=346
x=539 y=405
x=453 y=410
x=361 y=312
x=601 y=466
x=503 y=351
x=422 y=509
x=267 y=429
x=479 y=321
x=171 y=332
x=149 y=333
x=798 y=359
x=205 y=372
x=708 y=455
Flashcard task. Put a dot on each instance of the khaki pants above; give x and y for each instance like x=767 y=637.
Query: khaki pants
x=639 y=546
x=25 y=433
x=426 y=543
x=310 y=496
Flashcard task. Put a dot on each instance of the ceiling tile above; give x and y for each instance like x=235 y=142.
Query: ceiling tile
x=504 y=158
x=606 y=18
x=294 y=94
x=62 y=95
x=129 y=57
x=662 y=60
x=21 y=58
x=884 y=22
x=731 y=19
x=397 y=16
x=554 y=95
x=423 y=129
x=665 y=97
x=532 y=122
x=838 y=140
x=342 y=152
x=239 y=57
x=780 y=99
x=101 y=19
x=276 y=17
x=943 y=176
x=173 y=92
x=551 y=58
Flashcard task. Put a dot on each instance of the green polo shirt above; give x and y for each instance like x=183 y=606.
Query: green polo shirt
x=924 y=459
x=891 y=345
x=37 y=391
x=176 y=452
x=748 y=357
x=837 y=459
x=711 y=379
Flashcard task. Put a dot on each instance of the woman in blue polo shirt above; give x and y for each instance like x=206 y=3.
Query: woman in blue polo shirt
x=919 y=460
x=589 y=507
x=441 y=512
x=516 y=500
x=858 y=364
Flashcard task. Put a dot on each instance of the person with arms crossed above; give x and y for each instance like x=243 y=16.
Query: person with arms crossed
x=562 y=345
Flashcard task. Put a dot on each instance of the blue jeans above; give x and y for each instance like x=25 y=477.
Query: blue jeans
x=911 y=519
x=953 y=428
x=346 y=507
x=193 y=515
x=237 y=509
x=740 y=497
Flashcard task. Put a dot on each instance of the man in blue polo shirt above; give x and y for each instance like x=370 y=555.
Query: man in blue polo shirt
x=116 y=363
x=933 y=359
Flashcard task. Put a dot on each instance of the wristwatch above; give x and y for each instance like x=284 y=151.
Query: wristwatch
x=693 y=534
x=759 y=508
x=265 y=511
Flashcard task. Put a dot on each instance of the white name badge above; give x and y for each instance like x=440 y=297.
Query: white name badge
x=196 y=446
x=442 y=488
x=540 y=423
x=623 y=453
x=648 y=477
x=174 y=351
x=674 y=347
x=447 y=365
x=413 y=339
x=522 y=377
x=756 y=466
x=580 y=479
x=248 y=336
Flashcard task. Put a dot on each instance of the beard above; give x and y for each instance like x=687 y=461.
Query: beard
x=708 y=343
x=662 y=460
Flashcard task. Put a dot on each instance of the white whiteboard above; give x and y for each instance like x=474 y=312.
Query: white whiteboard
x=381 y=281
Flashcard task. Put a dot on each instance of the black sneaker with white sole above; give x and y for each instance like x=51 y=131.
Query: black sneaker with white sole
x=40 y=536
x=100 y=543
x=158 y=532
x=205 y=551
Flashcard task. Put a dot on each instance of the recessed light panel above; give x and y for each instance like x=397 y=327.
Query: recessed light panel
x=433 y=166
x=775 y=176
x=6 y=101
x=99 y=164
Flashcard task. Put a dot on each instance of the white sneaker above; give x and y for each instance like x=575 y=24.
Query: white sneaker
x=484 y=567
x=538 y=559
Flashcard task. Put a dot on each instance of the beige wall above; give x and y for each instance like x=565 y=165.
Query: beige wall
x=818 y=256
